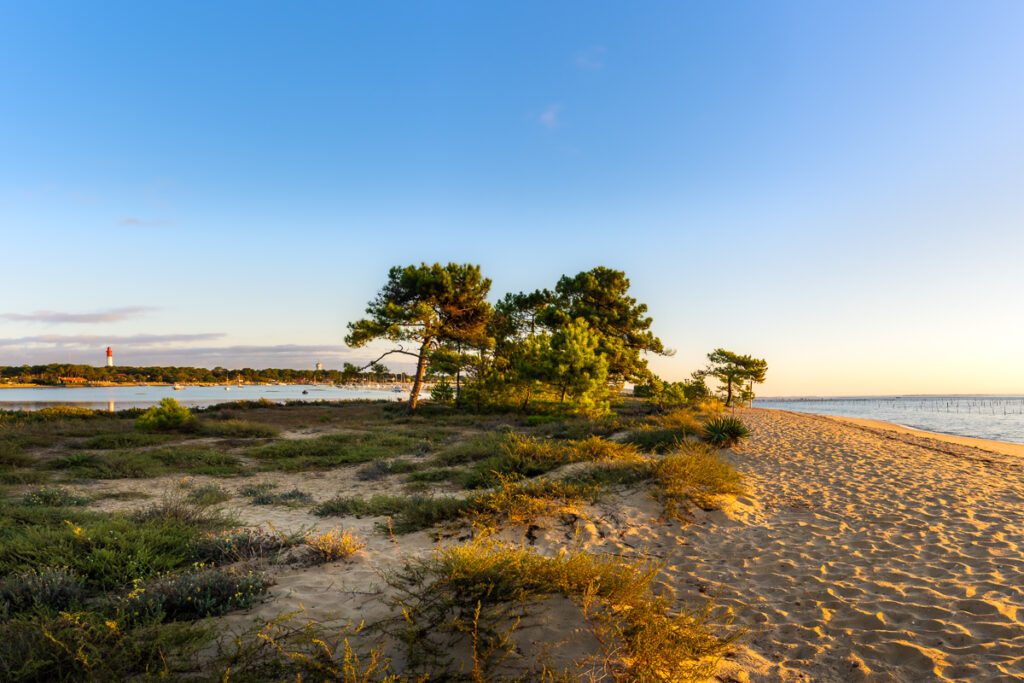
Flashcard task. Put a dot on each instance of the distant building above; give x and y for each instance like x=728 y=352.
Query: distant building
x=110 y=357
x=319 y=366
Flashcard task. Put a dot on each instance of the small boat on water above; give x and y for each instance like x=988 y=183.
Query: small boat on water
x=396 y=389
x=178 y=387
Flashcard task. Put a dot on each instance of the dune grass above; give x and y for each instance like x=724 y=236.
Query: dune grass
x=471 y=599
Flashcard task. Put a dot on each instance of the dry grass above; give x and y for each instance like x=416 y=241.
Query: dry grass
x=332 y=545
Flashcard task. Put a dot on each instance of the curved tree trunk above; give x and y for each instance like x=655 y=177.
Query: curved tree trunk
x=421 y=365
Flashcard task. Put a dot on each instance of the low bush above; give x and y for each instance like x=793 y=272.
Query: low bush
x=55 y=497
x=378 y=469
x=54 y=588
x=263 y=494
x=411 y=513
x=106 y=551
x=333 y=545
x=211 y=494
x=202 y=592
x=242 y=544
x=168 y=416
x=724 y=430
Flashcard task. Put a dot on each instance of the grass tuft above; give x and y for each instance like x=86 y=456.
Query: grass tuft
x=333 y=545
x=725 y=430
x=472 y=598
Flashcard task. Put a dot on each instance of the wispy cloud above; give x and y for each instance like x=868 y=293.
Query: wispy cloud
x=549 y=117
x=82 y=341
x=111 y=315
x=590 y=59
x=144 y=222
x=144 y=354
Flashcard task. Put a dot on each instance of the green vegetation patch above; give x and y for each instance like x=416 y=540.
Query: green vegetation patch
x=336 y=449
x=54 y=497
x=114 y=440
x=108 y=552
x=210 y=494
x=240 y=429
x=131 y=464
x=202 y=592
x=264 y=494
x=411 y=513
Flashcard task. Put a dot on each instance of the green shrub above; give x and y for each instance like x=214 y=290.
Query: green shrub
x=55 y=497
x=263 y=494
x=378 y=469
x=107 y=551
x=168 y=416
x=724 y=430
x=242 y=544
x=411 y=513
x=55 y=588
x=52 y=413
x=442 y=392
x=203 y=592
x=211 y=494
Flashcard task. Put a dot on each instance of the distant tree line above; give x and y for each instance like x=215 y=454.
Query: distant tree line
x=52 y=374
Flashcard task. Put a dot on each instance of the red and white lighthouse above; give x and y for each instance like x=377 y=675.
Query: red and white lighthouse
x=110 y=357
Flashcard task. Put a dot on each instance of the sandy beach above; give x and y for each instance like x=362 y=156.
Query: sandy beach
x=861 y=551
x=870 y=552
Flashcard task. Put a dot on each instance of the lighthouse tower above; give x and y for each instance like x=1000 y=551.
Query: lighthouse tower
x=110 y=357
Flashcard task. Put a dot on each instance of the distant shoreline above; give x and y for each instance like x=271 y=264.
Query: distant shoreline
x=1002 y=447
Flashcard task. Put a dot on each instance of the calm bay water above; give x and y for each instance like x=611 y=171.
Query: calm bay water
x=1000 y=418
x=120 y=398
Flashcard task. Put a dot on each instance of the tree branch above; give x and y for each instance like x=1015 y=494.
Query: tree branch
x=388 y=353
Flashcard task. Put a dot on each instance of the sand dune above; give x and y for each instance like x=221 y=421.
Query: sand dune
x=859 y=553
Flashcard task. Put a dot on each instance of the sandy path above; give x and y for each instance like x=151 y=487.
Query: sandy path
x=865 y=557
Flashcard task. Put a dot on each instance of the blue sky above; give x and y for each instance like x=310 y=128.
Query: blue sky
x=834 y=187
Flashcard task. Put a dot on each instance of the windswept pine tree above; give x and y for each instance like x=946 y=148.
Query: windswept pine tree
x=421 y=307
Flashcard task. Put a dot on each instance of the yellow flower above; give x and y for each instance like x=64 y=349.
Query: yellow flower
x=112 y=625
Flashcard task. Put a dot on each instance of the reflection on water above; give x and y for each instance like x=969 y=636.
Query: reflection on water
x=121 y=398
x=1000 y=418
